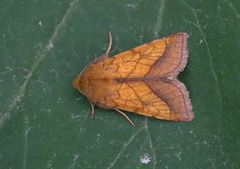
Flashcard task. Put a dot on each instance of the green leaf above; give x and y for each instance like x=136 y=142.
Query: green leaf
x=45 y=123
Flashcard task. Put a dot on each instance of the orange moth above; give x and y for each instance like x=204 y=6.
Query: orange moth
x=142 y=80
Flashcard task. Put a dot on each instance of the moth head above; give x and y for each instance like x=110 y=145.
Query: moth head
x=80 y=83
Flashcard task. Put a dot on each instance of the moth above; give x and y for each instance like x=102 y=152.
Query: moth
x=141 y=80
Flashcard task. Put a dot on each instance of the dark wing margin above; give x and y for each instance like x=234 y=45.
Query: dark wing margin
x=175 y=94
x=174 y=58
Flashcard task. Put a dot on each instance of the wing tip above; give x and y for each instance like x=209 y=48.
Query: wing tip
x=184 y=35
x=184 y=117
x=190 y=117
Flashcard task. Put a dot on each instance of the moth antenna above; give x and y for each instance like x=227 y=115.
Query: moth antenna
x=127 y=118
x=92 y=109
x=105 y=55
x=110 y=44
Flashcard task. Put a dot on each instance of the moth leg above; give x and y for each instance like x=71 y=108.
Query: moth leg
x=105 y=55
x=92 y=109
x=128 y=119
